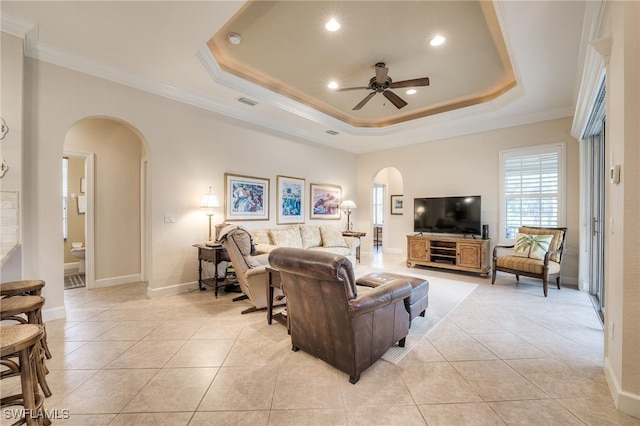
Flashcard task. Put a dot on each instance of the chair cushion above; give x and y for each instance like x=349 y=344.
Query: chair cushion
x=310 y=236
x=332 y=236
x=243 y=240
x=558 y=236
x=526 y=264
x=286 y=237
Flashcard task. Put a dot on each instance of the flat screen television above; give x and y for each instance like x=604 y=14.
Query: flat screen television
x=447 y=215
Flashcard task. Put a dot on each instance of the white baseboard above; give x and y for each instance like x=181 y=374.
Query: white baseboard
x=110 y=282
x=626 y=402
x=54 y=313
x=171 y=289
x=72 y=265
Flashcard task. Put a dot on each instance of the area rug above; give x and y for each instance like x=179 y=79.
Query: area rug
x=444 y=296
x=74 y=281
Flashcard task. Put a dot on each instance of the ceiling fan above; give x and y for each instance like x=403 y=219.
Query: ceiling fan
x=381 y=83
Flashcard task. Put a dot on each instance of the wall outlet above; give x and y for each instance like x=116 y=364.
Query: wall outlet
x=169 y=218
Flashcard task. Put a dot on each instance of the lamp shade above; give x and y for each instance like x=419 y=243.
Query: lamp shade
x=348 y=204
x=210 y=200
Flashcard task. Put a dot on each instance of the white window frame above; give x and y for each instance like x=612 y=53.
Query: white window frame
x=65 y=197
x=560 y=149
x=378 y=204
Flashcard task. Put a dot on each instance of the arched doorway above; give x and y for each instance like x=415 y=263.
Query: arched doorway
x=116 y=200
x=388 y=234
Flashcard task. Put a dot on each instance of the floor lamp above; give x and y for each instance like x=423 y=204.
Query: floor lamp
x=209 y=202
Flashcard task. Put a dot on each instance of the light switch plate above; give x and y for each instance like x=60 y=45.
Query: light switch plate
x=169 y=218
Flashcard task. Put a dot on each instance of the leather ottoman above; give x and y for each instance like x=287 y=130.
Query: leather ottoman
x=416 y=304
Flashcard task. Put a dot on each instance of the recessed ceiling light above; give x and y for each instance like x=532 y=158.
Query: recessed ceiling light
x=437 y=40
x=234 y=38
x=332 y=85
x=411 y=91
x=332 y=25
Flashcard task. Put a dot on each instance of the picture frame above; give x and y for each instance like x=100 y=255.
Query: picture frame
x=325 y=201
x=290 y=200
x=246 y=197
x=397 y=204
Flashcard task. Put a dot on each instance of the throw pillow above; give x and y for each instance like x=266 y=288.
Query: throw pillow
x=286 y=237
x=522 y=246
x=310 y=236
x=531 y=245
x=260 y=236
x=332 y=237
x=540 y=246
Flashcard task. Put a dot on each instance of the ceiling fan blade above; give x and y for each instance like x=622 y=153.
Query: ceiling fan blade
x=350 y=88
x=381 y=74
x=364 y=101
x=395 y=99
x=410 y=83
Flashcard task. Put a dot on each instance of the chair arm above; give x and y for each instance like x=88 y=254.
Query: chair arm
x=380 y=296
x=550 y=253
x=255 y=271
x=498 y=246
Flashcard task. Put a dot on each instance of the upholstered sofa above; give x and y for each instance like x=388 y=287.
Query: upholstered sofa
x=323 y=238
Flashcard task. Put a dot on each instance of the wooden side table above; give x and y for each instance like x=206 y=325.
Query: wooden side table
x=357 y=235
x=274 y=281
x=213 y=254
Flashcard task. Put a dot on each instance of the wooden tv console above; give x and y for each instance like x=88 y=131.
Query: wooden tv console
x=460 y=254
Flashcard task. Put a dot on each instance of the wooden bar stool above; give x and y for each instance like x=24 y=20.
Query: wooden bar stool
x=12 y=309
x=23 y=341
x=26 y=288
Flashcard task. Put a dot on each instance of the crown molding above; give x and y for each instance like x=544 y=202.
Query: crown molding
x=14 y=26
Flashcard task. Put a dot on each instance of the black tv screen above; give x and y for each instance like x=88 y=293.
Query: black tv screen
x=447 y=215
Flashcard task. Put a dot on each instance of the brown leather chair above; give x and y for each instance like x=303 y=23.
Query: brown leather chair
x=330 y=320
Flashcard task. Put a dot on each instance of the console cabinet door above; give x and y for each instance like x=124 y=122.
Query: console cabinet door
x=419 y=249
x=469 y=255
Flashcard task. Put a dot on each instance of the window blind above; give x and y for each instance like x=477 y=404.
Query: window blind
x=531 y=190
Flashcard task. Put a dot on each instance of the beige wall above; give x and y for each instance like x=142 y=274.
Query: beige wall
x=11 y=110
x=188 y=151
x=468 y=165
x=622 y=263
x=75 y=220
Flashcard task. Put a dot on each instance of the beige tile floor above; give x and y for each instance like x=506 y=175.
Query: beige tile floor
x=506 y=355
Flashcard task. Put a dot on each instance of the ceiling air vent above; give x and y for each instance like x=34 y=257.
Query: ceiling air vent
x=247 y=101
x=332 y=132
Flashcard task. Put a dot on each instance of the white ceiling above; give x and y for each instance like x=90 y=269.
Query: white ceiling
x=161 y=47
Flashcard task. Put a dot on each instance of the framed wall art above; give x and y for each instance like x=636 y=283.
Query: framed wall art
x=325 y=201
x=246 y=197
x=290 y=199
x=396 y=204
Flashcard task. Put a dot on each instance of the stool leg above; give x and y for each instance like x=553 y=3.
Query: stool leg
x=26 y=379
x=47 y=352
x=41 y=369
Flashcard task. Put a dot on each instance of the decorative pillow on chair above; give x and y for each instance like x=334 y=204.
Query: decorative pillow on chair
x=286 y=237
x=532 y=246
x=332 y=237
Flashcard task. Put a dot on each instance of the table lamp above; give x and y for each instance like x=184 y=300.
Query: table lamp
x=347 y=205
x=210 y=201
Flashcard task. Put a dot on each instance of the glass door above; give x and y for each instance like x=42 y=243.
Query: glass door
x=597 y=182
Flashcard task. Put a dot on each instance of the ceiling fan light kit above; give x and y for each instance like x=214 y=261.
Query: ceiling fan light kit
x=381 y=83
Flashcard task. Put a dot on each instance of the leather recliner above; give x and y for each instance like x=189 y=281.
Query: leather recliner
x=328 y=318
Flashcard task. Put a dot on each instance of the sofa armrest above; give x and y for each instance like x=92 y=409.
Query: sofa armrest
x=352 y=243
x=265 y=248
x=380 y=296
